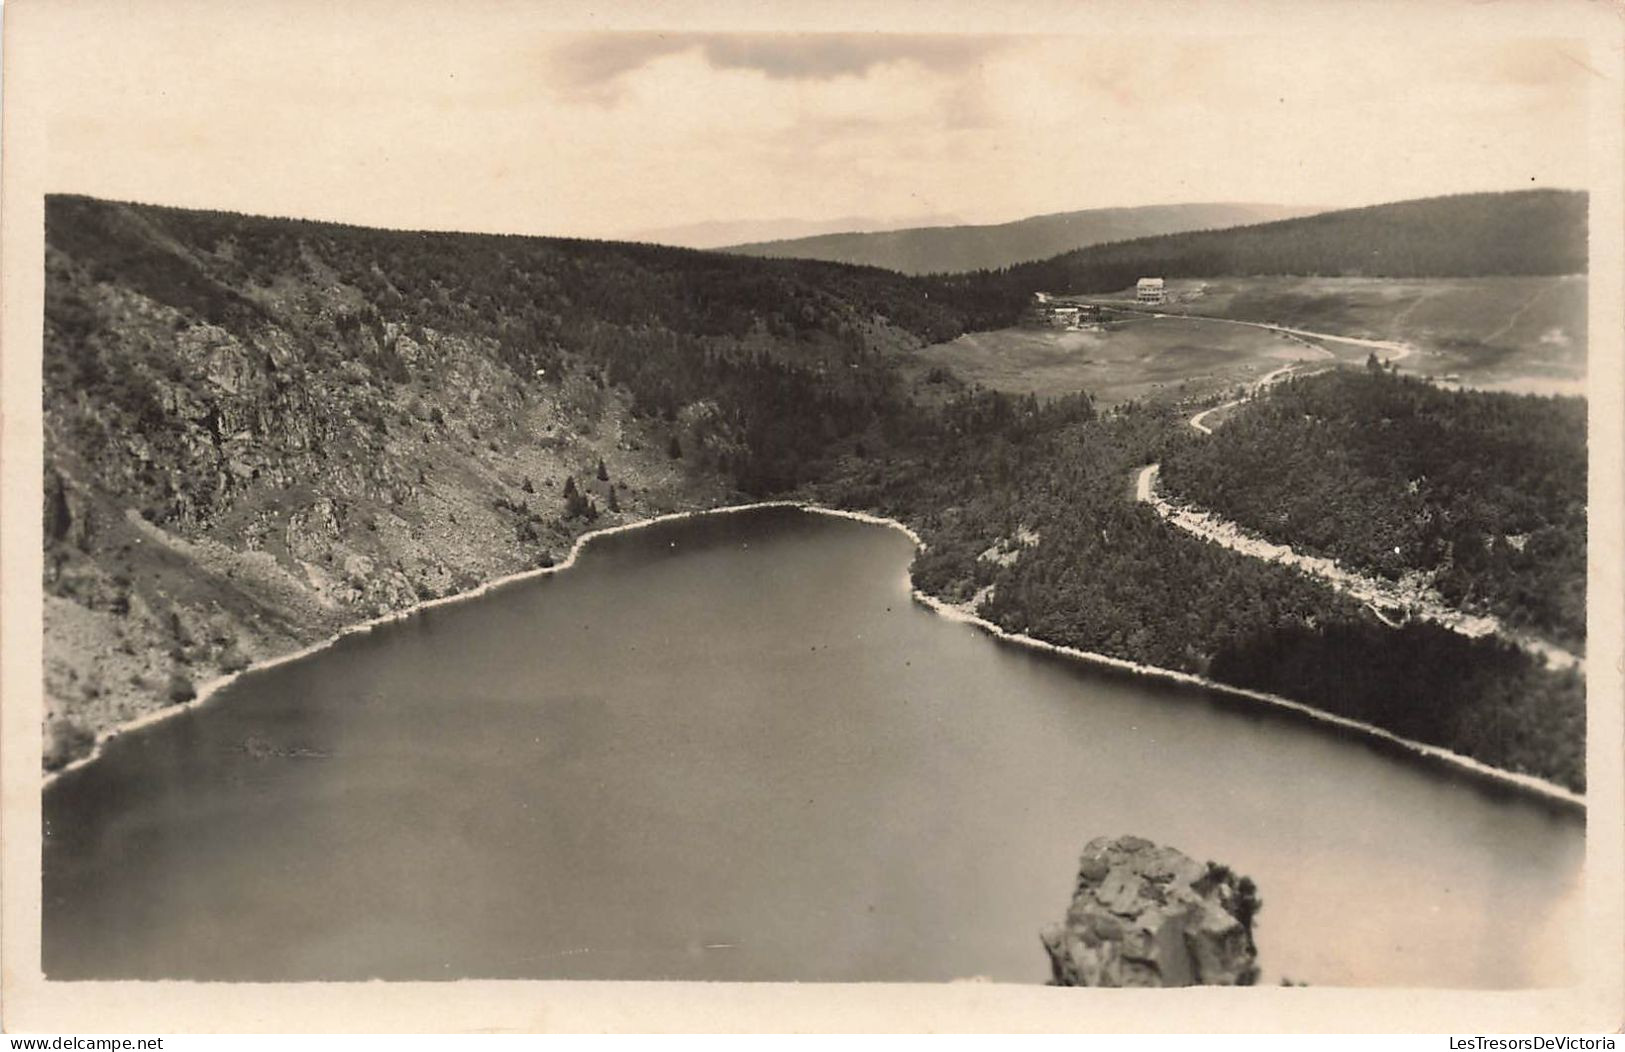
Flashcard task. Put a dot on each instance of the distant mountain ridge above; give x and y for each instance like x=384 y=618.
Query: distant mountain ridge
x=951 y=249
x=1460 y=235
x=258 y=431
x=1514 y=232
x=719 y=233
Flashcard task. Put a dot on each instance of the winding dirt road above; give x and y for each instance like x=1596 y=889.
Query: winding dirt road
x=1392 y=602
x=1395 y=348
x=1262 y=382
x=1386 y=599
x=1307 y=337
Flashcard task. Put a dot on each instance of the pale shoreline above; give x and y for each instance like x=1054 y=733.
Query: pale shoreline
x=1529 y=783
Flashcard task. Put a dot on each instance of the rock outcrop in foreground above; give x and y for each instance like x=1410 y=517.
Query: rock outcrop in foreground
x=1144 y=915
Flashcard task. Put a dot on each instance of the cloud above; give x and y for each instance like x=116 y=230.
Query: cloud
x=596 y=62
x=823 y=56
x=592 y=66
x=497 y=120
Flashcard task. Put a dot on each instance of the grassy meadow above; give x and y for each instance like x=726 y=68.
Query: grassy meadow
x=1137 y=359
x=1512 y=333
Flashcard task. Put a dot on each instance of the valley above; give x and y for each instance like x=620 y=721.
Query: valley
x=1519 y=334
x=261 y=431
x=525 y=499
x=1130 y=358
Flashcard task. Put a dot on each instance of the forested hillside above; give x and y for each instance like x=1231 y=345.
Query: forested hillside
x=1483 y=494
x=1028 y=508
x=952 y=249
x=673 y=326
x=258 y=431
x=1466 y=235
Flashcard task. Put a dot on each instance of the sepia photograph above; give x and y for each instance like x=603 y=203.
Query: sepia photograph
x=1096 y=496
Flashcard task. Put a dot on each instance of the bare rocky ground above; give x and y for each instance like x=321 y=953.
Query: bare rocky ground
x=287 y=503
x=176 y=611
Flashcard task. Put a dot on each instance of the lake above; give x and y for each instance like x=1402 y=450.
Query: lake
x=731 y=747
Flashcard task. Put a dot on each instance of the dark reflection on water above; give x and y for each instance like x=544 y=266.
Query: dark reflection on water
x=732 y=748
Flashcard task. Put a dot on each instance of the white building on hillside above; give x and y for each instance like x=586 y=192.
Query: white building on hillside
x=1149 y=290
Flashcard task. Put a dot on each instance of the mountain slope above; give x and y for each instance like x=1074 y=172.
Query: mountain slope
x=1464 y=235
x=1520 y=232
x=944 y=249
x=718 y=233
x=260 y=430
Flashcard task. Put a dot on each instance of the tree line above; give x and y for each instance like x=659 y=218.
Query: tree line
x=1482 y=493
x=1464 y=235
x=779 y=374
x=1107 y=575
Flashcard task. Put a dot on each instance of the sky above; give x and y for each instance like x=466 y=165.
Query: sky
x=501 y=116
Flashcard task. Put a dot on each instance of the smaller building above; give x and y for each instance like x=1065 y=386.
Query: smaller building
x=1049 y=312
x=1150 y=290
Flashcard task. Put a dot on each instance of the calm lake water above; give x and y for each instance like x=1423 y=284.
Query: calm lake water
x=732 y=748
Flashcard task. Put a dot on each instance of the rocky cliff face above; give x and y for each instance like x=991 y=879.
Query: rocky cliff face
x=1145 y=915
x=250 y=508
x=246 y=450
x=258 y=431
